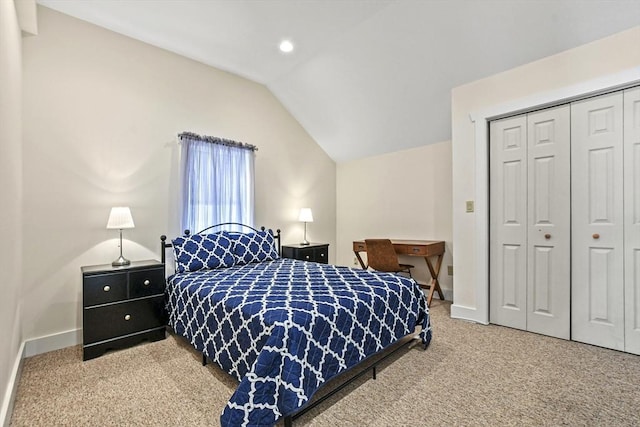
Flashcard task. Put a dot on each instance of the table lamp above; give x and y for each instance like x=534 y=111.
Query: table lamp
x=305 y=216
x=120 y=218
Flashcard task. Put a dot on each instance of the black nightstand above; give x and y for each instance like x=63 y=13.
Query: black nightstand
x=121 y=306
x=316 y=252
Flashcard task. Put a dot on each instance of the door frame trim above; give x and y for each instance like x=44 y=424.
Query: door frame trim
x=481 y=119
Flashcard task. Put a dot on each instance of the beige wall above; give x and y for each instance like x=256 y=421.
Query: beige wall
x=403 y=195
x=588 y=68
x=101 y=115
x=11 y=196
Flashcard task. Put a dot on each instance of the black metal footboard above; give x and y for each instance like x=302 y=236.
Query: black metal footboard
x=288 y=420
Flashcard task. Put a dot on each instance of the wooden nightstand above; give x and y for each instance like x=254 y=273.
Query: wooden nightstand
x=316 y=252
x=122 y=306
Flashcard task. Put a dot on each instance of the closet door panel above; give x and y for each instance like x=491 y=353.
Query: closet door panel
x=508 y=223
x=549 y=222
x=632 y=218
x=597 y=284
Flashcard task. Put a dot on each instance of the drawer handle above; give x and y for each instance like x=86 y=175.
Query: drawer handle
x=146 y=282
x=307 y=257
x=321 y=255
x=416 y=249
x=547 y=236
x=127 y=317
x=596 y=236
x=107 y=288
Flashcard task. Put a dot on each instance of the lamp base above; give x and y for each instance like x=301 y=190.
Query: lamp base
x=121 y=261
x=305 y=243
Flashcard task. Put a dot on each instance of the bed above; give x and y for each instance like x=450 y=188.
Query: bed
x=282 y=327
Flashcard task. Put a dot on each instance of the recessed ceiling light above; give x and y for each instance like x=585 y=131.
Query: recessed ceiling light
x=286 y=46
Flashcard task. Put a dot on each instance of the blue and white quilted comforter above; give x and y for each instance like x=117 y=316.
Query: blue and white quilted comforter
x=285 y=327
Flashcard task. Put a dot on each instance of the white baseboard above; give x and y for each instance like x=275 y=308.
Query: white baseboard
x=53 y=342
x=465 y=313
x=12 y=388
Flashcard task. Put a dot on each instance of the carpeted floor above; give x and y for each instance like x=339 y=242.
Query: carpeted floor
x=470 y=375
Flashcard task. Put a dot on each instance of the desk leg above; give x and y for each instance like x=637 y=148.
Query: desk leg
x=435 y=272
x=364 y=267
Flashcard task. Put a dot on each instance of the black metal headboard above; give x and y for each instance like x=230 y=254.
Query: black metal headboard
x=164 y=245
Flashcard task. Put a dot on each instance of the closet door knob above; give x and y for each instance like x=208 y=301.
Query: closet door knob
x=547 y=236
x=596 y=236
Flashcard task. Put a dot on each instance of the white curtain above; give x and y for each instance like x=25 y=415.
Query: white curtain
x=217 y=182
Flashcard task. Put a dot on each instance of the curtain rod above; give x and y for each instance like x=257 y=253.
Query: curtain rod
x=217 y=140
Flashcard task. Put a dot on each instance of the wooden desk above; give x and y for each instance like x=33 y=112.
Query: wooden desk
x=426 y=249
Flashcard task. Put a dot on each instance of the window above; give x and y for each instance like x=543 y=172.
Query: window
x=217 y=181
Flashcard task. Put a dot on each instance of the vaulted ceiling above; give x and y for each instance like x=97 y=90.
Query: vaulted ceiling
x=366 y=76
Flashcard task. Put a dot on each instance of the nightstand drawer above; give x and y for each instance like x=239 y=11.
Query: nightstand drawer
x=305 y=254
x=114 y=320
x=321 y=255
x=104 y=288
x=143 y=283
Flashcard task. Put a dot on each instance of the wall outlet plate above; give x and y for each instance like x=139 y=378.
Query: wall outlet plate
x=450 y=270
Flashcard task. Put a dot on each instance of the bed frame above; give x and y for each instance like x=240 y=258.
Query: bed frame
x=288 y=419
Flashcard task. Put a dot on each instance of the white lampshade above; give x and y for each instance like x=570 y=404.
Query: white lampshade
x=305 y=215
x=120 y=217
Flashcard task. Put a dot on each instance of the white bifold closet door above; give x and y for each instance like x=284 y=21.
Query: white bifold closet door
x=597 y=302
x=632 y=218
x=530 y=222
x=549 y=222
x=508 y=222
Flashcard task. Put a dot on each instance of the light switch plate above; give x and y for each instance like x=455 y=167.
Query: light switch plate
x=469 y=205
x=450 y=270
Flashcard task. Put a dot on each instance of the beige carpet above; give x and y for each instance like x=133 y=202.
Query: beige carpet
x=470 y=375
